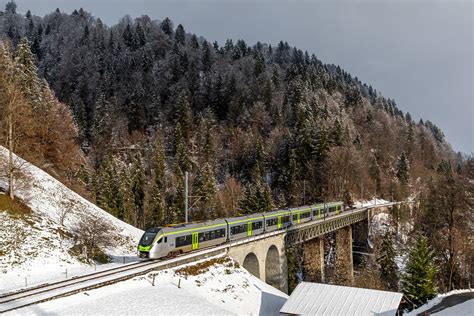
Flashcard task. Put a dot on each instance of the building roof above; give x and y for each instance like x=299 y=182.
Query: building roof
x=324 y=299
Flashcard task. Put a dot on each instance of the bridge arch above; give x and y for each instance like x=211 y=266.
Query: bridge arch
x=251 y=264
x=273 y=267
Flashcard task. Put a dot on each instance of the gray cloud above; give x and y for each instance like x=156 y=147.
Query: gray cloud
x=418 y=52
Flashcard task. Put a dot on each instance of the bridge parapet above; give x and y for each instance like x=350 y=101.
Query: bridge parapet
x=313 y=230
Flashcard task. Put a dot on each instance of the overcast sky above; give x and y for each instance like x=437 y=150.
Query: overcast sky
x=418 y=52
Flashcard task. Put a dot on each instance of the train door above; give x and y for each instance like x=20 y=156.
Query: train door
x=249 y=229
x=299 y=218
x=319 y=213
x=279 y=222
x=195 y=241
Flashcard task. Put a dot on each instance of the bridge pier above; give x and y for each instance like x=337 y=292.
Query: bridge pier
x=360 y=234
x=313 y=263
x=344 y=261
x=265 y=259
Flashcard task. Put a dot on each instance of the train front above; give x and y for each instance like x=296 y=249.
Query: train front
x=148 y=247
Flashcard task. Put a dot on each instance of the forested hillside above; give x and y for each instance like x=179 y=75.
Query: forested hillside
x=257 y=126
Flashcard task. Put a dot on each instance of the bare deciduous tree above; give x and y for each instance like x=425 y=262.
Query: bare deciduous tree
x=93 y=234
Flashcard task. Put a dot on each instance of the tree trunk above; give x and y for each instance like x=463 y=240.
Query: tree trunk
x=10 y=152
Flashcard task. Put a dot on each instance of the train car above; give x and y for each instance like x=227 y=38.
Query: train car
x=245 y=226
x=334 y=208
x=277 y=220
x=169 y=241
x=301 y=215
x=318 y=211
x=146 y=245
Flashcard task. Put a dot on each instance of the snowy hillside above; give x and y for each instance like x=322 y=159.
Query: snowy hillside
x=214 y=287
x=44 y=237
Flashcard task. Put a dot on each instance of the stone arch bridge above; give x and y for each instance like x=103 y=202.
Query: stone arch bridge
x=264 y=255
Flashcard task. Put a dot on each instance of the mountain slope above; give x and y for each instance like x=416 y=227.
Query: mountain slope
x=42 y=240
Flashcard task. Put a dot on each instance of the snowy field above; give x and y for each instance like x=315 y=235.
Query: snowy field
x=35 y=246
x=224 y=289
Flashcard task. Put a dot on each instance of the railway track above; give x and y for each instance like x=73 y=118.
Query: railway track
x=42 y=293
x=15 y=300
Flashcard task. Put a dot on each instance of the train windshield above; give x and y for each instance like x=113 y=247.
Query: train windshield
x=148 y=237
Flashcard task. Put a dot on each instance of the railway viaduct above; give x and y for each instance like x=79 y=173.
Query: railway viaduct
x=265 y=255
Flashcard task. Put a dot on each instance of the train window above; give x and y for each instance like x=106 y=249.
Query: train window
x=220 y=233
x=272 y=221
x=166 y=239
x=183 y=240
x=234 y=230
x=202 y=237
x=295 y=217
x=305 y=215
x=332 y=209
x=159 y=241
x=285 y=219
x=214 y=234
x=256 y=225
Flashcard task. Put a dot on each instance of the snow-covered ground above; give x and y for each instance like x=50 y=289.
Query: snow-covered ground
x=35 y=246
x=370 y=202
x=466 y=308
x=222 y=288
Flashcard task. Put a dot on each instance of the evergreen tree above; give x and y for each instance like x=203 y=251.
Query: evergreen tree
x=206 y=57
x=180 y=35
x=167 y=26
x=137 y=190
x=102 y=122
x=30 y=83
x=156 y=207
x=184 y=114
x=259 y=65
x=140 y=37
x=206 y=186
x=194 y=42
x=257 y=196
x=388 y=267
x=402 y=169
x=108 y=195
x=419 y=277
x=128 y=36
x=176 y=213
x=159 y=164
x=304 y=137
x=337 y=133
x=156 y=200
x=288 y=180
x=182 y=153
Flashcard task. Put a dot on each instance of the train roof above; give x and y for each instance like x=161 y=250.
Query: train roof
x=283 y=212
x=179 y=227
x=244 y=218
x=153 y=230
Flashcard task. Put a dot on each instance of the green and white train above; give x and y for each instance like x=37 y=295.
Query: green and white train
x=159 y=242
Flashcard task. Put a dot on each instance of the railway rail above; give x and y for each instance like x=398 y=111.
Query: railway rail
x=42 y=293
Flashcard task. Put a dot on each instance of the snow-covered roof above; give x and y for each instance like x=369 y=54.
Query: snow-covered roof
x=324 y=299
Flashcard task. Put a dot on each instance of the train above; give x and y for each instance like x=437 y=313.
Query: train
x=161 y=242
